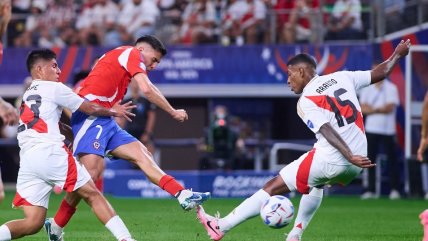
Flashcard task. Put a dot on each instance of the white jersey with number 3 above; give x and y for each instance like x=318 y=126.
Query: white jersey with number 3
x=333 y=99
x=40 y=111
x=45 y=162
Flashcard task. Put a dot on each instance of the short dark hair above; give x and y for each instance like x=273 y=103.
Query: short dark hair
x=154 y=42
x=303 y=58
x=35 y=55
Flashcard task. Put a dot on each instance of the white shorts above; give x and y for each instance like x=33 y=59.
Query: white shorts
x=312 y=169
x=43 y=167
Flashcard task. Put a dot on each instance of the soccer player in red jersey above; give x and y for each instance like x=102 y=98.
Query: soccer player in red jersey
x=105 y=85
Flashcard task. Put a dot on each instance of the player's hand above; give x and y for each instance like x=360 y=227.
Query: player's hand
x=422 y=148
x=361 y=161
x=180 y=115
x=8 y=113
x=124 y=110
x=402 y=48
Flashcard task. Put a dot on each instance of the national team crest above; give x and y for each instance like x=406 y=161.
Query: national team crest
x=96 y=145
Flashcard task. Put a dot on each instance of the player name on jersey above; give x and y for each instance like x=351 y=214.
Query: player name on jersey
x=326 y=85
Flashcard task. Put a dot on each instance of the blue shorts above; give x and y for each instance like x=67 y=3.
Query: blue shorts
x=97 y=135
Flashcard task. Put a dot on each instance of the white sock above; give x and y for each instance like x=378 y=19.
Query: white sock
x=5 y=234
x=118 y=228
x=309 y=204
x=56 y=229
x=249 y=208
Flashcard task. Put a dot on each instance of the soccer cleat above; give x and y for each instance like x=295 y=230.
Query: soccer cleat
x=210 y=224
x=424 y=221
x=189 y=199
x=52 y=236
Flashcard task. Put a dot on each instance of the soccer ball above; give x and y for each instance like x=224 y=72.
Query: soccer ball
x=277 y=211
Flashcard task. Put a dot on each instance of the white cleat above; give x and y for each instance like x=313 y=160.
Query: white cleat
x=54 y=234
x=189 y=200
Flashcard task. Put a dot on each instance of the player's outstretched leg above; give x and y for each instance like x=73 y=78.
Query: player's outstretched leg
x=424 y=221
x=309 y=204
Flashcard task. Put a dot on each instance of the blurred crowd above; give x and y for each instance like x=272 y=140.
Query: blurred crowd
x=58 y=23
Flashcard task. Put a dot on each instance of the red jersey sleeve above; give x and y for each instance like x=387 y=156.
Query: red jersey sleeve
x=133 y=62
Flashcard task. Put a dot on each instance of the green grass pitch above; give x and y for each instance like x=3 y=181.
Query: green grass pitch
x=339 y=218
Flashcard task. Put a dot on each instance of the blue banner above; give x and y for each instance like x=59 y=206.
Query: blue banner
x=133 y=183
x=206 y=64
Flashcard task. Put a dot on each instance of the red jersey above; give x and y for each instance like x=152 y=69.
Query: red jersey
x=106 y=84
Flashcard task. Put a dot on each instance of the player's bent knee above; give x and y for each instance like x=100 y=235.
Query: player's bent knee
x=276 y=186
x=93 y=197
x=32 y=226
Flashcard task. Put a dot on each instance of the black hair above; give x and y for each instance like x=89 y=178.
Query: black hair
x=154 y=42
x=303 y=58
x=35 y=55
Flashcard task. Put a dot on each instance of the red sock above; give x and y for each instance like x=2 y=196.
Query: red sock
x=64 y=214
x=100 y=184
x=170 y=185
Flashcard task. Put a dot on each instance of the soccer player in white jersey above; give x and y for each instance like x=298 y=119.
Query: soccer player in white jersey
x=328 y=105
x=46 y=163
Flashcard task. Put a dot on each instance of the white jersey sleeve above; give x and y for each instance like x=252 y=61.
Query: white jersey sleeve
x=311 y=114
x=65 y=97
x=360 y=79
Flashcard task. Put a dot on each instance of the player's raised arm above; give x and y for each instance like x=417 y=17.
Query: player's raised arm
x=381 y=71
x=117 y=110
x=153 y=94
x=336 y=141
